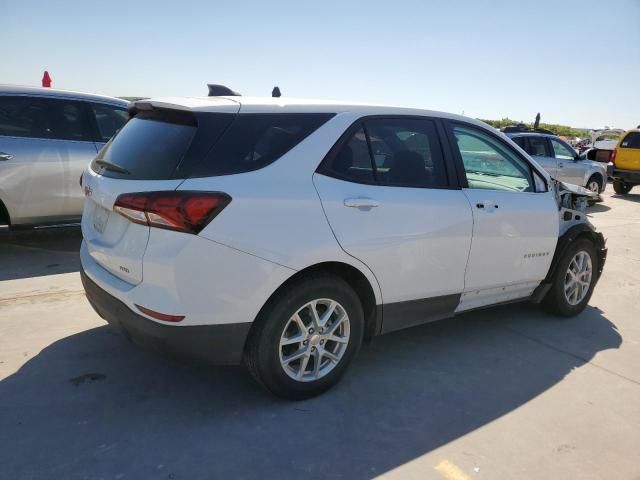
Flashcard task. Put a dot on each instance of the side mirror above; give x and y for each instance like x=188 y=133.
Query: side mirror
x=577 y=157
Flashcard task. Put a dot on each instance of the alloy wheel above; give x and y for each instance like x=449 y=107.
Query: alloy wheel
x=577 y=280
x=314 y=340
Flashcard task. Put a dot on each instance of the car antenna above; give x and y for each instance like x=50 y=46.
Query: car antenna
x=276 y=92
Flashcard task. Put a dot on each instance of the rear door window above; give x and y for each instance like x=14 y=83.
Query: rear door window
x=109 y=119
x=68 y=120
x=406 y=152
x=22 y=116
x=352 y=162
x=519 y=141
x=632 y=140
x=537 y=147
x=254 y=141
x=395 y=152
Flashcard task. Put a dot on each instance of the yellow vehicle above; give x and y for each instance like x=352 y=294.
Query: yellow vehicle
x=624 y=166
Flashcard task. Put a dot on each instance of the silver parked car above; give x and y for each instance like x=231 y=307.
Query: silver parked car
x=561 y=161
x=47 y=138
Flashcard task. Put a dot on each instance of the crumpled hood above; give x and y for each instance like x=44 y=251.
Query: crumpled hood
x=576 y=190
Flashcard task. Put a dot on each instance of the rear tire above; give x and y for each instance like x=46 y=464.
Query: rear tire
x=571 y=285
x=277 y=336
x=621 y=188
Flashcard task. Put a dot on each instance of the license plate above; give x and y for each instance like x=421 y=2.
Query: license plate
x=100 y=218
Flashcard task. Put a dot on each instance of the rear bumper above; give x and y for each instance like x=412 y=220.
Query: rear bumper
x=631 y=176
x=215 y=344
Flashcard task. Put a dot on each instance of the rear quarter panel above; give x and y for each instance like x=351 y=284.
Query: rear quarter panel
x=275 y=212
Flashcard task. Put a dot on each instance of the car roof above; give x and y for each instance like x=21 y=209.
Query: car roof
x=294 y=105
x=57 y=93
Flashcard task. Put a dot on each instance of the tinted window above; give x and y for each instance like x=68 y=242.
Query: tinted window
x=536 y=146
x=23 y=117
x=632 y=140
x=490 y=164
x=68 y=120
x=406 y=152
x=150 y=146
x=353 y=162
x=108 y=119
x=519 y=141
x=254 y=141
x=561 y=150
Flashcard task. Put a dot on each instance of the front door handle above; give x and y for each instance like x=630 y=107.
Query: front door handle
x=5 y=156
x=361 y=202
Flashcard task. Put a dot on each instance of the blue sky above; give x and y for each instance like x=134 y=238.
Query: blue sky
x=572 y=60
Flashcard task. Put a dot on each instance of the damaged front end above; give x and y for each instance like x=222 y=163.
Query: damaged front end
x=572 y=204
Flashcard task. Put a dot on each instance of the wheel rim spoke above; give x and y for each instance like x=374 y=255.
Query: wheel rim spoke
x=299 y=323
x=327 y=315
x=292 y=340
x=314 y=314
x=295 y=356
x=303 y=365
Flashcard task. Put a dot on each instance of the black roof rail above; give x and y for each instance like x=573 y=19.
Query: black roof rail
x=216 y=90
x=522 y=128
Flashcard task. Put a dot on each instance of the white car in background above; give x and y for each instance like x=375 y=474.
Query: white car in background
x=281 y=233
x=47 y=138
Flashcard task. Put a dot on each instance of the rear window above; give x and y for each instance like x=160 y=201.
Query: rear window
x=166 y=144
x=149 y=147
x=254 y=141
x=632 y=140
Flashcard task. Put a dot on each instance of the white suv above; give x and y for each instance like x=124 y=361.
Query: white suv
x=283 y=232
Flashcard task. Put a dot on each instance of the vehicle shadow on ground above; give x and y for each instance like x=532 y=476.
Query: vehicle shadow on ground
x=630 y=197
x=35 y=253
x=598 y=208
x=93 y=406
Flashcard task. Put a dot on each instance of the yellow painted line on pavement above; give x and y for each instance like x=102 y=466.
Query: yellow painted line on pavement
x=450 y=471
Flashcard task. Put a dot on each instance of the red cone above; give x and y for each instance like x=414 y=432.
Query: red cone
x=46 y=80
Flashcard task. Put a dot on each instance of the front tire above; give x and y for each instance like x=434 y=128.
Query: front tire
x=305 y=338
x=621 y=188
x=573 y=281
x=594 y=184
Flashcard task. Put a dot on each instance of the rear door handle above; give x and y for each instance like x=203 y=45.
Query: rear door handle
x=361 y=202
x=5 y=156
x=488 y=204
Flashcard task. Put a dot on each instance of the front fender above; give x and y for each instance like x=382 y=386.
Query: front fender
x=570 y=236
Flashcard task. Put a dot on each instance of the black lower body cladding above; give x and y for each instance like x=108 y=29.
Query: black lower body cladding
x=214 y=344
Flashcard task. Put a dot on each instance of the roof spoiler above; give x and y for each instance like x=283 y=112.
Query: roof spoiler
x=162 y=111
x=221 y=91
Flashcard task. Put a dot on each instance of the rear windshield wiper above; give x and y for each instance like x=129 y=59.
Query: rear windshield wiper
x=112 y=166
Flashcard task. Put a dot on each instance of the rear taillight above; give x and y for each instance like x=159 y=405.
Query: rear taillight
x=612 y=156
x=187 y=212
